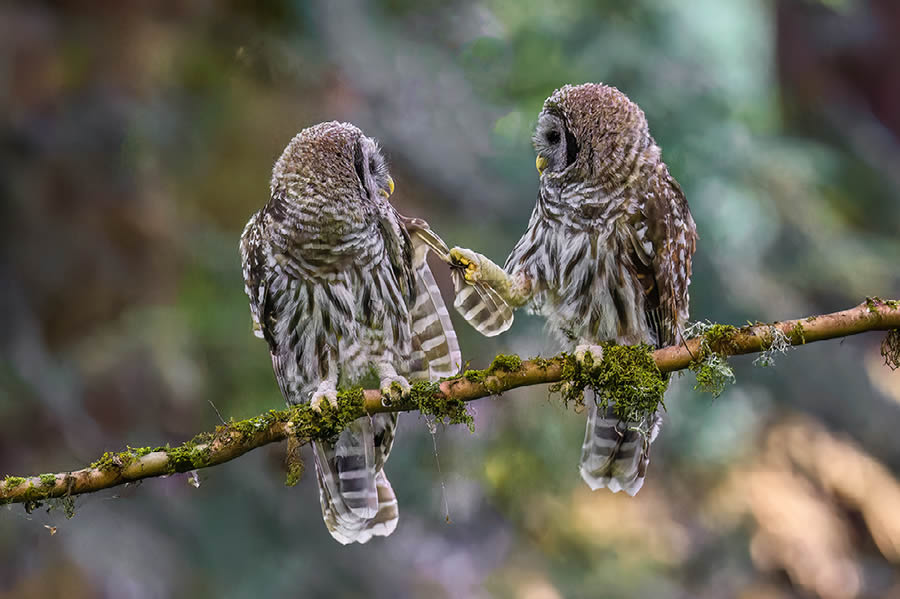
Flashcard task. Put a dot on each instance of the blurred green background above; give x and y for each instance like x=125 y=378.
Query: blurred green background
x=138 y=137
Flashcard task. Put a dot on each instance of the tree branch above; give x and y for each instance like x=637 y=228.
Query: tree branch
x=443 y=400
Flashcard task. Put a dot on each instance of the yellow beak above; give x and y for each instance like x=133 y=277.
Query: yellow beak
x=541 y=163
x=390 y=190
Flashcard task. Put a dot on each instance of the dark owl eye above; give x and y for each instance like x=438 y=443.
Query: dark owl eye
x=553 y=137
x=372 y=165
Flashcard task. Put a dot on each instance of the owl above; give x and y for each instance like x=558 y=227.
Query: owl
x=606 y=257
x=339 y=288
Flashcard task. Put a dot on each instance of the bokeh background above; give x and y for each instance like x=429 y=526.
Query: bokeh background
x=138 y=137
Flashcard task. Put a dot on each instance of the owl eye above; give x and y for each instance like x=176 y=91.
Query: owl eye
x=553 y=137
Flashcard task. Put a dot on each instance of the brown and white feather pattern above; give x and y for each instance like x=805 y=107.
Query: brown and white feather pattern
x=608 y=252
x=336 y=286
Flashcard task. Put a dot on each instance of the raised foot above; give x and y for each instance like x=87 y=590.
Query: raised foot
x=469 y=261
x=394 y=388
x=325 y=392
x=588 y=355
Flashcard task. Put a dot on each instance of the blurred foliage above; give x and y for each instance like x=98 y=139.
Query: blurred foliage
x=138 y=138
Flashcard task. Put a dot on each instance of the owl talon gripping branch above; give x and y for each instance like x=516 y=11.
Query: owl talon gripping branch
x=325 y=392
x=393 y=386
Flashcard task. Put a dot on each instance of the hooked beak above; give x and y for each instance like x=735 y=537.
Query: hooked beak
x=541 y=163
x=390 y=190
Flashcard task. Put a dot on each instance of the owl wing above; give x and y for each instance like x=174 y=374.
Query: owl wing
x=436 y=351
x=251 y=268
x=662 y=257
x=478 y=303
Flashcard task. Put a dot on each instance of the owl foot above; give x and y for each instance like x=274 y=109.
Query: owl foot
x=588 y=355
x=394 y=388
x=325 y=392
x=469 y=261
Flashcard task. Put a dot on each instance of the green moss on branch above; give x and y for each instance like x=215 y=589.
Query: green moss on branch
x=627 y=379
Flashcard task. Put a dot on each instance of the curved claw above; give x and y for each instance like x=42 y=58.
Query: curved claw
x=394 y=388
x=468 y=261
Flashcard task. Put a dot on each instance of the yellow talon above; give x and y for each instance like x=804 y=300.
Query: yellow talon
x=471 y=268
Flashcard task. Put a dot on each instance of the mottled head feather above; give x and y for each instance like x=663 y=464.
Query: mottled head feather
x=318 y=161
x=611 y=131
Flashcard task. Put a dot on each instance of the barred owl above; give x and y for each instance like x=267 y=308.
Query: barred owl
x=339 y=286
x=606 y=256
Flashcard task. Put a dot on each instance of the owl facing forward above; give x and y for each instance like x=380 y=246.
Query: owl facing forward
x=339 y=286
x=606 y=256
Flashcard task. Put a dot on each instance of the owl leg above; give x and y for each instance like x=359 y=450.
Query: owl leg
x=589 y=355
x=393 y=386
x=327 y=389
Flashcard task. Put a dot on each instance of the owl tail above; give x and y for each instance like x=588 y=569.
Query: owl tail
x=356 y=497
x=616 y=453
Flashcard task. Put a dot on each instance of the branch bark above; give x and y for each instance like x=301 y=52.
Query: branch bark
x=237 y=438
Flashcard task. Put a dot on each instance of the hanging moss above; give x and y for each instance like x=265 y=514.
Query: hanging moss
x=294 y=473
x=890 y=349
x=627 y=378
x=710 y=367
x=713 y=374
x=425 y=396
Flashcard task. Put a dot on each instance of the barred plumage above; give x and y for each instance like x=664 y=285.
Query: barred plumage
x=339 y=284
x=606 y=256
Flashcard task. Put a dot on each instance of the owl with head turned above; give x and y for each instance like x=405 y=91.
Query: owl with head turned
x=606 y=257
x=339 y=287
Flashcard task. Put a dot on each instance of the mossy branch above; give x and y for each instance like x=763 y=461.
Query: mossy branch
x=444 y=401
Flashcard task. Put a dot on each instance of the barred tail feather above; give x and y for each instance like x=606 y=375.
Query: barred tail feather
x=344 y=526
x=435 y=346
x=348 y=468
x=385 y=521
x=481 y=306
x=384 y=426
x=615 y=454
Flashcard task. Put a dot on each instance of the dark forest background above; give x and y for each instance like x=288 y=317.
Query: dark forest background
x=137 y=138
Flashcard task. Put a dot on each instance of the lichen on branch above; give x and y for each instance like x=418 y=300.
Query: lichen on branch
x=628 y=377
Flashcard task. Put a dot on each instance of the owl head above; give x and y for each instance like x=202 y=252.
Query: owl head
x=332 y=162
x=590 y=132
